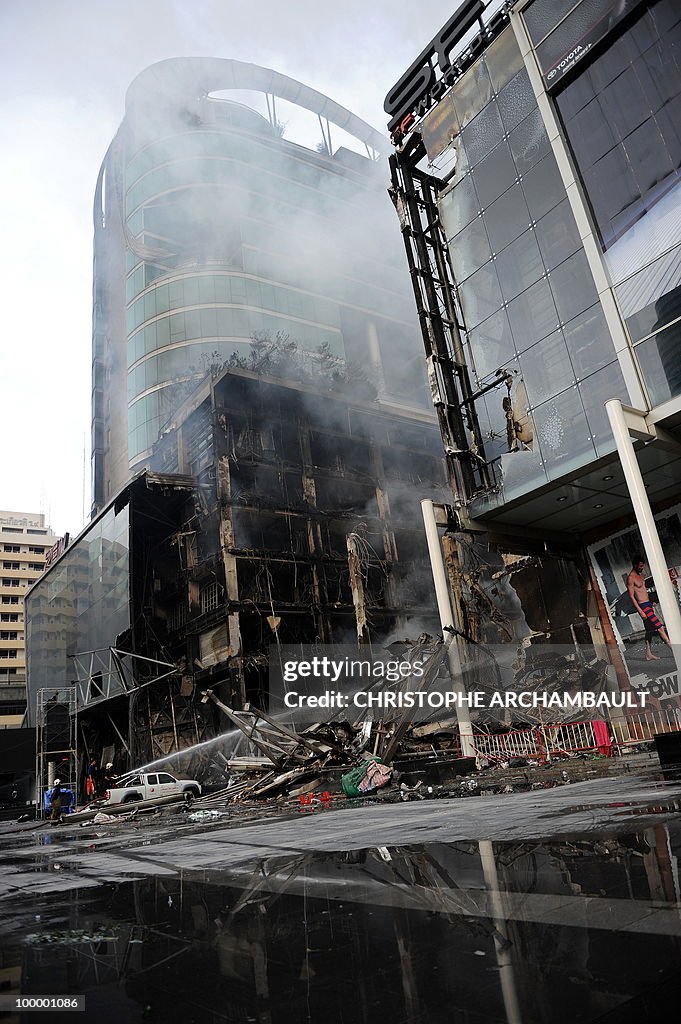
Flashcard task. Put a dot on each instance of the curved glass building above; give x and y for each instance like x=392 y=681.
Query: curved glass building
x=212 y=226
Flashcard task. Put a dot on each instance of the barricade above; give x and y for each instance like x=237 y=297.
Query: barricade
x=642 y=727
x=542 y=741
x=538 y=742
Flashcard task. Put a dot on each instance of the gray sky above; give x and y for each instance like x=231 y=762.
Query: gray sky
x=64 y=69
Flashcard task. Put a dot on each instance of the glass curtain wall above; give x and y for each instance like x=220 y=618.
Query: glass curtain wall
x=622 y=117
x=528 y=298
x=82 y=604
x=235 y=232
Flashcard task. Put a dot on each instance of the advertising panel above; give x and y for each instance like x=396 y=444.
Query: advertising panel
x=561 y=40
x=648 y=659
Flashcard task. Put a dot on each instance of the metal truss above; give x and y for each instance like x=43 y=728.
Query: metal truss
x=110 y=672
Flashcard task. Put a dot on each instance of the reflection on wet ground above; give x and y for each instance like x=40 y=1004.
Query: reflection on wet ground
x=255 y=923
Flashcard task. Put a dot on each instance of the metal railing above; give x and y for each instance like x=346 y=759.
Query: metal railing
x=541 y=742
x=644 y=726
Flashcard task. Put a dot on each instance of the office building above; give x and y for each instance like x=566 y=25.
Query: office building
x=25 y=542
x=543 y=138
x=261 y=425
x=215 y=223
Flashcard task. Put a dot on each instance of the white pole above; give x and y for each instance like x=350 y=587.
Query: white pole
x=646 y=524
x=444 y=607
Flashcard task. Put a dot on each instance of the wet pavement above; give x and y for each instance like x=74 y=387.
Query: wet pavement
x=548 y=906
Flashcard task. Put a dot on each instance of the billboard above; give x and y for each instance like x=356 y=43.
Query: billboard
x=611 y=560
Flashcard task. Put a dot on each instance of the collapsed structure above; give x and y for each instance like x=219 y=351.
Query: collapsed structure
x=282 y=515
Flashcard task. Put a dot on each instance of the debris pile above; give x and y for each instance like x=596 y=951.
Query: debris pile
x=392 y=754
x=354 y=758
x=294 y=763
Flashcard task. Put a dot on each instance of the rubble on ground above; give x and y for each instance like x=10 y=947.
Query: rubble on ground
x=387 y=759
x=391 y=759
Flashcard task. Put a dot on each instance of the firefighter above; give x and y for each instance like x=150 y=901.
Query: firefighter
x=91 y=786
x=108 y=778
x=56 y=797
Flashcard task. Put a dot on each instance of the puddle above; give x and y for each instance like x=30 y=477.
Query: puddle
x=68 y=937
x=625 y=808
x=585 y=928
x=53 y=839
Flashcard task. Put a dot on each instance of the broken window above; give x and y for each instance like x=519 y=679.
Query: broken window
x=209 y=596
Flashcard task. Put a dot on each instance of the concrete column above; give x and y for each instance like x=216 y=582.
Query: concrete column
x=647 y=526
x=444 y=607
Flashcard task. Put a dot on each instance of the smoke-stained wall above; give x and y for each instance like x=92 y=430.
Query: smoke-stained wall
x=289 y=471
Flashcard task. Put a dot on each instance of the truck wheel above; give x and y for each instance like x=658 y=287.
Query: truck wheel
x=191 y=792
x=131 y=798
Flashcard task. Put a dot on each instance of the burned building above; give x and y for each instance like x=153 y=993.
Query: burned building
x=261 y=430
x=277 y=511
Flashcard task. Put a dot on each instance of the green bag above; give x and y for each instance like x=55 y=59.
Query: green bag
x=351 y=780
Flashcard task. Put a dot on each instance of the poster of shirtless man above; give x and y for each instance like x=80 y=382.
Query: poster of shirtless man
x=638 y=592
x=628 y=591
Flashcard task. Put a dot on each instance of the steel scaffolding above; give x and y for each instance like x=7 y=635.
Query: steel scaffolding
x=56 y=742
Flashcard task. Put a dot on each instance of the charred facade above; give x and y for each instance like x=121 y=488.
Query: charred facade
x=281 y=511
x=260 y=424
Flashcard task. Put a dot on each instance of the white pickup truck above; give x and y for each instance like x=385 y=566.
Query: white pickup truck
x=149 y=786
